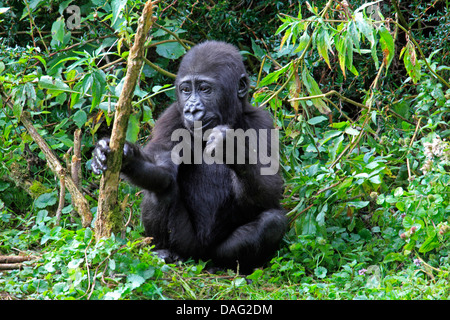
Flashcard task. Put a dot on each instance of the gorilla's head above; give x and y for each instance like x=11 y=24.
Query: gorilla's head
x=212 y=85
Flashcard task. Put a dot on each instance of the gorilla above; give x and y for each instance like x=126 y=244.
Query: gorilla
x=225 y=210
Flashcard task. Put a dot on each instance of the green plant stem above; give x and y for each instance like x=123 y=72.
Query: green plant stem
x=178 y=39
x=408 y=32
x=329 y=93
x=298 y=60
x=159 y=69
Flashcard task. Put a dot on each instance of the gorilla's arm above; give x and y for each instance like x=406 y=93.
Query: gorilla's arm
x=137 y=167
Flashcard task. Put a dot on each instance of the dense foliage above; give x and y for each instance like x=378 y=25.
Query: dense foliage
x=366 y=160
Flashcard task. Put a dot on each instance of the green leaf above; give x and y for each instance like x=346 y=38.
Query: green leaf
x=335 y=147
x=60 y=125
x=398 y=192
x=412 y=65
x=58 y=30
x=53 y=86
x=303 y=42
x=320 y=272
x=341 y=49
x=112 y=264
x=98 y=87
x=323 y=45
x=73 y=264
x=351 y=131
x=354 y=34
x=44 y=63
x=286 y=23
x=117 y=7
x=308 y=223
x=349 y=56
x=329 y=135
x=17 y=110
x=358 y=204
x=170 y=50
x=394 y=256
x=45 y=200
x=430 y=243
x=80 y=118
x=364 y=27
x=257 y=274
x=273 y=76
x=376 y=179
x=387 y=45
x=133 y=128
x=313 y=88
x=320 y=219
x=287 y=36
x=135 y=280
x=317 y=120
x=41 y=216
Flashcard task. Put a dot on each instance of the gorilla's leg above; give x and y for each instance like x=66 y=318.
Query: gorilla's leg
x=253 y=243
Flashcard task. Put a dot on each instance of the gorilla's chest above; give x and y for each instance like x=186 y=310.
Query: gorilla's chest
x=205 y=188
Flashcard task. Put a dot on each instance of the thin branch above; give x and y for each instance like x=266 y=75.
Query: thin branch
x=14 y=262
x=62 y=194
x=159 y=69
x=409 y=149
x=79 y=201
x=76 y=159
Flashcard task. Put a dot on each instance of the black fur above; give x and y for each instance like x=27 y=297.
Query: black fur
x=229 y=213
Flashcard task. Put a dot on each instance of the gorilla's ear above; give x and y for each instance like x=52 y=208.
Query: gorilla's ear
x=243 y=86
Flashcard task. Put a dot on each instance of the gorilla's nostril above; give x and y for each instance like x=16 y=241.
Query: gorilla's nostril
x=194 y=112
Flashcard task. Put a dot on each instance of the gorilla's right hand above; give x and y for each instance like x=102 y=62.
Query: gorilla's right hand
x=100 y=155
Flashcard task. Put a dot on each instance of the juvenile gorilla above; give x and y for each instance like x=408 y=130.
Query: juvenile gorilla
x=227 y=212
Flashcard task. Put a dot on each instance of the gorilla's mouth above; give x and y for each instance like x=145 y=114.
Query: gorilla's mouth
x=199 y=125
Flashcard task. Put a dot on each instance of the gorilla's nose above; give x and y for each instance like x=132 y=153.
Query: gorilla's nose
x=194 y=112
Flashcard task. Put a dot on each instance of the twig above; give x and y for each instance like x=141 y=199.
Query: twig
x=31 y=28
x=87 y=267
x=329 y=93
x=159 y=69
x=300 y=213
x=327 y=188
x=409 y=149
x=62 y=193
x=175 y=36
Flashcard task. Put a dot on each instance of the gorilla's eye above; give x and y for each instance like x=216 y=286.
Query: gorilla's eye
x=185 y=90
x=205 y=88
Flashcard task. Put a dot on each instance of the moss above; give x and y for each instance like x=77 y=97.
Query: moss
x=38 y=189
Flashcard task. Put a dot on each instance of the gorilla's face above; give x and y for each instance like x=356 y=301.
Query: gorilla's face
x=212 y=85
x=199 y=97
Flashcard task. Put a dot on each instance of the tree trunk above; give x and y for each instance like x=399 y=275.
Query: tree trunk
x=109 y=217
